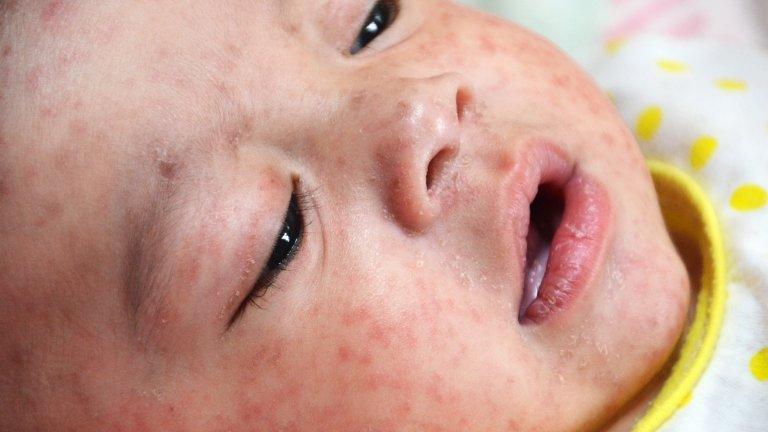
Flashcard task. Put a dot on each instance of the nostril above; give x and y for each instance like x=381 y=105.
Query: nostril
x=463 y=102
x=438 y=167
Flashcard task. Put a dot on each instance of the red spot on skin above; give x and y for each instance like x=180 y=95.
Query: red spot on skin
x=355 y=317
x=562 y=81
x=343 y=353
x=233 y=50
x=341 y=163
x=161 y=54
x=380 y=334
x=357 y=100
x=250 y=412
x=222 y=88
x=476 y=316
x=458 y=358
x=487 y=45
x=167 y=170
x=49 y=212
x=365 y=359
x=51 y=11
x=529 y=49
x=63 y=159
x=451 y=38
x=607 y=139
x=266 y=355
x=239 y=131
x=292 y=28
x=435 y=392
x=29 y=173
x=595 y=108
x=189 y=273
x=7 y=51
x=78 y=128
x=505 y=163
x=401 y=411
x=32 y=79
x=106 y=33
x=392 y=381
x=48 y=112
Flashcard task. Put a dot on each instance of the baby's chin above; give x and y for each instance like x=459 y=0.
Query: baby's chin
x=641 y=309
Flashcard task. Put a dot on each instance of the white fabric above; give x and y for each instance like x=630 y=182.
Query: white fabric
x=733 y=21
x=579 y=25
x=695 y=102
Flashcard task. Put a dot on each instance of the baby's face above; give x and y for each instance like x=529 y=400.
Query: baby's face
x=225 y=216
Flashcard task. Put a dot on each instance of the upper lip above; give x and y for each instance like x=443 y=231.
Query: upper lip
x=547 y=163
x=536 y=164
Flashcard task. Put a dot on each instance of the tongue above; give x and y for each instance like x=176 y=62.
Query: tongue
x=537 y=254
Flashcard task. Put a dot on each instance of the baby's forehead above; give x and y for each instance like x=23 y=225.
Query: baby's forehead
x=153 y=70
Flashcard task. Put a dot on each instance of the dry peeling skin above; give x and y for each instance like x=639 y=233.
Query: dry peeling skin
x=148 y=151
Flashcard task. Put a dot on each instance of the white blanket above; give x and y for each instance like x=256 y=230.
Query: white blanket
x=704 y=108
x=578 y=25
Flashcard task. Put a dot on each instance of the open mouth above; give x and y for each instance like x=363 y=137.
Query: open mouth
x=565 y=242
x=546 y=213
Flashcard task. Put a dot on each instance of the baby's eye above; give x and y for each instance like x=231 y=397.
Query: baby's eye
x=381 y=17
x=288 y=241
x=284 y=250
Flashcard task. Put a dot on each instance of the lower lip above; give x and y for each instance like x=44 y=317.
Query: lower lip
x=576 y=250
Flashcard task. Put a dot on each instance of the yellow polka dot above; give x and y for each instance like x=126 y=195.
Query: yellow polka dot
x=749 y=197
x=759 y=365
x=648 y=123
x=701 y=150
x=673 y=66
x=613 y=46
x=686 y=400
x=729 y=84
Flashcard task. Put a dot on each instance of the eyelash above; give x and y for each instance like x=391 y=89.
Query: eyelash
x=304 y=201
x=391 y=8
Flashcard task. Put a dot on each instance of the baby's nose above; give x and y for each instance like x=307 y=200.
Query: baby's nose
x=417 y=148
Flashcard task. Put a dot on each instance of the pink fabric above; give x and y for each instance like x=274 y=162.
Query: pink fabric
x=639 y=20
x=726 y=20
x=690 y=27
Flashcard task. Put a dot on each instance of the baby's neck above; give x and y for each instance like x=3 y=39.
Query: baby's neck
x=636 y=408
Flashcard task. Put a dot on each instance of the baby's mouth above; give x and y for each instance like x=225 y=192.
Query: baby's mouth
x=565 y=242
x=546 y=213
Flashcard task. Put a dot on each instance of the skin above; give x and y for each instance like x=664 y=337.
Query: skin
x=148 y=154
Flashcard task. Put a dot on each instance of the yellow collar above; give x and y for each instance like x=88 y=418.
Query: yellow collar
x=688 y=212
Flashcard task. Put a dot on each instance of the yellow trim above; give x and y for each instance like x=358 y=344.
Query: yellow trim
x=687 y=210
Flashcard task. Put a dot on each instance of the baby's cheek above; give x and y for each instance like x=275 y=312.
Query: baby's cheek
x=380 y=356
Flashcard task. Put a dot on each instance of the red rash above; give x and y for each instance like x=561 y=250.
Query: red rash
x=52 y=12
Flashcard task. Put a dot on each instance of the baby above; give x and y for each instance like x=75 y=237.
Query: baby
x=338 y=215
